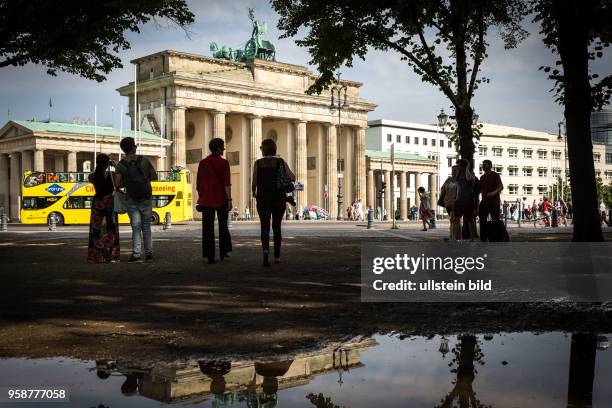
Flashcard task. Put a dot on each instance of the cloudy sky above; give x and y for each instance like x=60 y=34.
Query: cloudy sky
x=518 y=94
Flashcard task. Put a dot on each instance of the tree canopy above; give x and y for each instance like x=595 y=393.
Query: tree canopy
x=444 y=42
x=79 y=37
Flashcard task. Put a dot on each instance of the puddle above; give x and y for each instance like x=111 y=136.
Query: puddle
x=501 y=370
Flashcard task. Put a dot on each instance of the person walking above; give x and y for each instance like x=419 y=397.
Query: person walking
x=135 y=173
x=103 y=225
x=215 y=197
x=425 y=211
x=490 y=187
x=247 y=214
x=271 y=200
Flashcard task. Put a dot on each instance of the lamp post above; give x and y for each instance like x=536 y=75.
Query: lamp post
x=442 y=119
x=559 y=138
x=338 y=102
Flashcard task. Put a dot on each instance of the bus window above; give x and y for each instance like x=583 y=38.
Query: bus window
x=52 y=178
x=37 y=203
x=74 y=203
x=87 y=201
x=82 y=177
x=72 y=177
x=34 y=179
x=63 y=177
x=161 y=201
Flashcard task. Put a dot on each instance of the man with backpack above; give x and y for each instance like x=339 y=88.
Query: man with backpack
x=490 y=187
x=135 y=173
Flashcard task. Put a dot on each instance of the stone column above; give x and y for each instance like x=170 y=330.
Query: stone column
x=371 y=199
x=72 y=161
x=15 y=187
x=27 y=158
x=219 y=124
x=349 y=160
x=301 y=156
x=360 y=167
x=417 y=184
x=320 y=166
x=403 y=199
x=160 y=164
x=332 y=172
x=388 y=193
x=433 y=190
x=58 y=164
x=39 y=160
x=179 y=155
x=255 y=131
x=290 y=145
x=4 y=183
x=246 y=171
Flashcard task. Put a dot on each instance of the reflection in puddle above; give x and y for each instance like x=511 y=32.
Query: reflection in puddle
x=504 y=370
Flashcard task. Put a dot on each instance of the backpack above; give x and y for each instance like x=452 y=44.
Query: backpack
x=136 y=182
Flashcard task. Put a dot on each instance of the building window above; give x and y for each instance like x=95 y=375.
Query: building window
x=608 y=158
x=542 y=190
x=497 y=151
x=441 y=142
x=498 y=169
x=608 y=175
x=433 y=157
x=513 y=171
x=398 y=139
x=433 y=142
x=596 y=157
x=597 y=173
x=513 y=189
x=311 y=163
x=450 y=144
x=480 y=170
x=482 y=150
x=389 y=138
x=528 y=189
x=527 y=171
x=407 y=139
x=341 y=165
x=556 y=172
x=542 y=154
x=542 y=172
x=512 y=152
x=424 y=141
x=416 y=140
x=450 y=161
x=556 y=155
x=527 y=153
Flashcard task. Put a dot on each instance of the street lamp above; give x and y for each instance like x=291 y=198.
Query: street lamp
x=338 y=102
x=564 y=138
x=442 y=119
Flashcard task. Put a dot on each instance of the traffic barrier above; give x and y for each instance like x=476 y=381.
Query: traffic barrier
x=167 y=221
x=369 y=217
x=52 y=222
x=3 y=222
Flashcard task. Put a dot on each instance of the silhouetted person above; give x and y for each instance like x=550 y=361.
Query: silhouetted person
x=215 y=197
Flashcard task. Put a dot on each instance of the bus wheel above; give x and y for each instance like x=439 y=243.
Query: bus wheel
x=59 y=218
x=154 y=218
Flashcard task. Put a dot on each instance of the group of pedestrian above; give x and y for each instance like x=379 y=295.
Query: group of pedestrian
x=135 y=173
x=463 y=196
x=355 y=211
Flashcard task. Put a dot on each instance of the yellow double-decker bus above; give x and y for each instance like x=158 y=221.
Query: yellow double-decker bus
x=69 y=196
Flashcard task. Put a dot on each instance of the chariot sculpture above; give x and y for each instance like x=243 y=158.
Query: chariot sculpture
x=256 y=47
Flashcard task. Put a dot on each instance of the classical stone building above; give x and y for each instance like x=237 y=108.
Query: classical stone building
x=243 y=103
x=58 y=147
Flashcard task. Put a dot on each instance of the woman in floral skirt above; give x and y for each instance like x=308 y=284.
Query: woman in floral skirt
x=103 y=225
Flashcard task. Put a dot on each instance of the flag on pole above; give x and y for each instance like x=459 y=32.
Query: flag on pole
x=50 y=103
x=8 y=113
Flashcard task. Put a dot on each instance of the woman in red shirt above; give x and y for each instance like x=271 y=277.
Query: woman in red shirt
x=214 y=196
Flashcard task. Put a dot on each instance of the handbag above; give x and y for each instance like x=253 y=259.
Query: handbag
x=119 y=198
x=283 y=183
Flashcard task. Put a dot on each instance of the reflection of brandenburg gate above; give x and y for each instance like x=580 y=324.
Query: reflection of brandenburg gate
x=173 y=382
x=244 y=103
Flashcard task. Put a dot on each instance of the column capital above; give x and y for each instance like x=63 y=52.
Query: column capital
x=253 y=116
x=176 y=107
x=298 y=121
x=218 y=112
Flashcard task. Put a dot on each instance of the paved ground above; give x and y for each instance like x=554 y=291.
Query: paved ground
x=54 y=304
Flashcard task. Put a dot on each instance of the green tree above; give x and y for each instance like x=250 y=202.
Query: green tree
x=444 y=42
x=578 y=32
x=80 y=37
x=604 y=192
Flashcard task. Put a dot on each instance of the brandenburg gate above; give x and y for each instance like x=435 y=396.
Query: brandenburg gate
x=191 y=99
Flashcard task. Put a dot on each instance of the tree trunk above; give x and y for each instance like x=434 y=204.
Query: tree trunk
x=463 y=115
x=573 y=18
